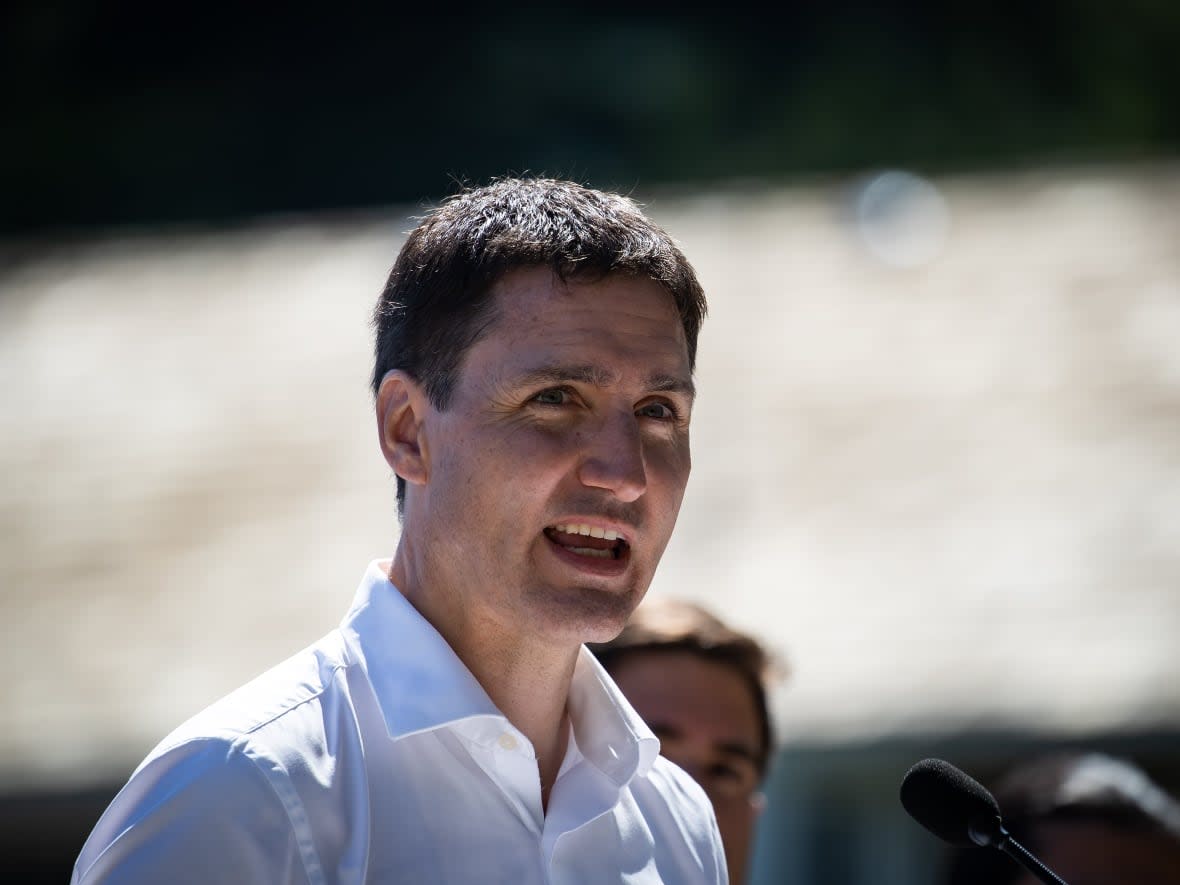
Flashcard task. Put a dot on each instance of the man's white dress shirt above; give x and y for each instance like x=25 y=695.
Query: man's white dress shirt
x=374 y=756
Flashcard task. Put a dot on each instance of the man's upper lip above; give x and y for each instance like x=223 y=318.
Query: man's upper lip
x=624 y=533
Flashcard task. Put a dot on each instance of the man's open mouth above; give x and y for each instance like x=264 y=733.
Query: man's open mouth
x=586 y=540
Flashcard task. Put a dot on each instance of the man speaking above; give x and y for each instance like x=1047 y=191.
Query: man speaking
x=535 y=344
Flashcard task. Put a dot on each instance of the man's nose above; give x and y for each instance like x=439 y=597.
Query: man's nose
x=613 y=458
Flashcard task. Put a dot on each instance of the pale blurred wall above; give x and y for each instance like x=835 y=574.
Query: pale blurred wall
x=950 y=490
x=970 y=443
x=192 y=484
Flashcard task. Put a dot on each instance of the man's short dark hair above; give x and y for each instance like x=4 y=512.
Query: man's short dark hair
x=663 y=625
x=436 y=303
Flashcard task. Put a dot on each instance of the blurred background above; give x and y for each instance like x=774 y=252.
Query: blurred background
x=937 y=446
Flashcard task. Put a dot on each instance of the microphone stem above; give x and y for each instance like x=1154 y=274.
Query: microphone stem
x=1021 y=855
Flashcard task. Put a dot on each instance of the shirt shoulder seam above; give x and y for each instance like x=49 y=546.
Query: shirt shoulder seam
x=296 y=702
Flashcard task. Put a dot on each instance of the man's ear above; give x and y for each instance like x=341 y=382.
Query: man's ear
x=758 y=803
x=401 y=409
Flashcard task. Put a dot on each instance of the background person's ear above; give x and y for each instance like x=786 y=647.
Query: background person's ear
x=401 y=407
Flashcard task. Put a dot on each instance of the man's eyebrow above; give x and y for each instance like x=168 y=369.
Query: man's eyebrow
x=672 y=384
x=665 y=730
x=599 y=376
x=740 y=749
x=733 y=749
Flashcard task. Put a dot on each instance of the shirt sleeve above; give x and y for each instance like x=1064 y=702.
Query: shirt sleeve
x=198 y=813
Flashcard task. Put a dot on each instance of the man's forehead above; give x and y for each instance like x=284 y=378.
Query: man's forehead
x=600 y=375
x=546 y=287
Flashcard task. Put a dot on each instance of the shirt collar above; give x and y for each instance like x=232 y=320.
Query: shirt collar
x=610 y=734
x=419 y=681
x=421 y=684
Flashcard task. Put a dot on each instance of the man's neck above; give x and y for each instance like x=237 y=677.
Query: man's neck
x=534 y=697
x=527 y=679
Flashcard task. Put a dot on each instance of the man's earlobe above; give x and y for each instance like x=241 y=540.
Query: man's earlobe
x=400 y=409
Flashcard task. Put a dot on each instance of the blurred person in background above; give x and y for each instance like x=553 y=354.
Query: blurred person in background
x=1093 y=819
x=535 y=344
x=701 y=686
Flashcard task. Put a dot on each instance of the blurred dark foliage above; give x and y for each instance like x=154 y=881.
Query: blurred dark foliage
x=145 y=113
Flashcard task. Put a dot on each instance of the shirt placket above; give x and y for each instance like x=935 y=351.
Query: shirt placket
x=506 y=757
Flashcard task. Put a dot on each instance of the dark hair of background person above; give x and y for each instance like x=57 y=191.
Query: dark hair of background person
x=666 y=625
x=1065 y=788
x=436 y=303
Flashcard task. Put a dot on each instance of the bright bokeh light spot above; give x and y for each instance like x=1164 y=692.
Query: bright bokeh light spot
x=902 y=218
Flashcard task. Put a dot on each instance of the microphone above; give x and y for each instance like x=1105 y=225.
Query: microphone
x=958 y=809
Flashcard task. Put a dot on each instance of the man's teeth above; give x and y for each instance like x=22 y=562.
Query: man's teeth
x=589 y=532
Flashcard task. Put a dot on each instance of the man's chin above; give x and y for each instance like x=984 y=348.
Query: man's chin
x=591 y=614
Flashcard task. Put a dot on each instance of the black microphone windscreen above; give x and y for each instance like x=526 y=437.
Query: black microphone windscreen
x=945 y=800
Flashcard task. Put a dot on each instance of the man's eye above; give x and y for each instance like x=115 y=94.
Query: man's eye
x=656 y=410
x=725 y=772
x=555 y=396
x=728 y=781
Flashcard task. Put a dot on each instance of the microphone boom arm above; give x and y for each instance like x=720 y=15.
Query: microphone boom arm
x=989 y=832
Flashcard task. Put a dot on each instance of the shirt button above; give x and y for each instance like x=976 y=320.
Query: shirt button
x=507 y=741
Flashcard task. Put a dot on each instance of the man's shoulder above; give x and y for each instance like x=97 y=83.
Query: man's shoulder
x=277 y=711
x=245 y=776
